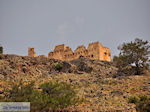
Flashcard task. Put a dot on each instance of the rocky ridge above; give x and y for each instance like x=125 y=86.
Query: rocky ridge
x=12 y=66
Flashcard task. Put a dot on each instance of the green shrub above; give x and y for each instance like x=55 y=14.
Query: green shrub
x=144 y=98
x=24 y=93
x=133 y=99
x=58 y=66
x=142 y=103
x=52 y=96
x=62 y=94
x=1 y=50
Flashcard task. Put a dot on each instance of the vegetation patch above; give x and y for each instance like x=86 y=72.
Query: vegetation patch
x=50 y=96
x=58 y=66
x=142 y=103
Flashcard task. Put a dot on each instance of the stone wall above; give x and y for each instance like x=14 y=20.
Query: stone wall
x=31 y=52
x=94 y=51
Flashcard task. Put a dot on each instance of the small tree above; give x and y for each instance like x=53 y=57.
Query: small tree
x=1 y=49
x=58 y=66
x=142 y=103
x=134 y=54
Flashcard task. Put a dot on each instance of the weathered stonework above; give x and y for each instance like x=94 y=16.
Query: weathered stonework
x=95 y=51
x=31 y=52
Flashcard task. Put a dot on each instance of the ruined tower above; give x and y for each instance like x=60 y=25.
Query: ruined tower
x=31 y=52
x=94 y=51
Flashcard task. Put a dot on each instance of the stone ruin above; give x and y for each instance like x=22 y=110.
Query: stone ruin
x=31 y=52
x=94 y=51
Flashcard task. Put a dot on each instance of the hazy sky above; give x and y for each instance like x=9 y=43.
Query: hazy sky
x=45 y=23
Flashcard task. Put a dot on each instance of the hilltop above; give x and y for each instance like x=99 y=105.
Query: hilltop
x=93 y=80
x=13 y=66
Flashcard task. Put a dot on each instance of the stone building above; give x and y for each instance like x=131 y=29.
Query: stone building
x=31 y=52
x=95 y=51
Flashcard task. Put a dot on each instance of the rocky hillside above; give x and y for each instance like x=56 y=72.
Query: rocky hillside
x=13 y=66
x=93 y=80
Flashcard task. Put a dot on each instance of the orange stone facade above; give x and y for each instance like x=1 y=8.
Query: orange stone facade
x=31 y=52
x=94 y=51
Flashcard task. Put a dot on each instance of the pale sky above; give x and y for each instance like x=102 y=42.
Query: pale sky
x=42 y=24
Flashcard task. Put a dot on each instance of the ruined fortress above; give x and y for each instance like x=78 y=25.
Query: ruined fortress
x=94 y=51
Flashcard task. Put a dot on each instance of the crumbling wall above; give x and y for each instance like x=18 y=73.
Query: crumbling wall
x=95 y=51
x=106 y=54
x=31 y=52
x=80 y=52
x=68 y=54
